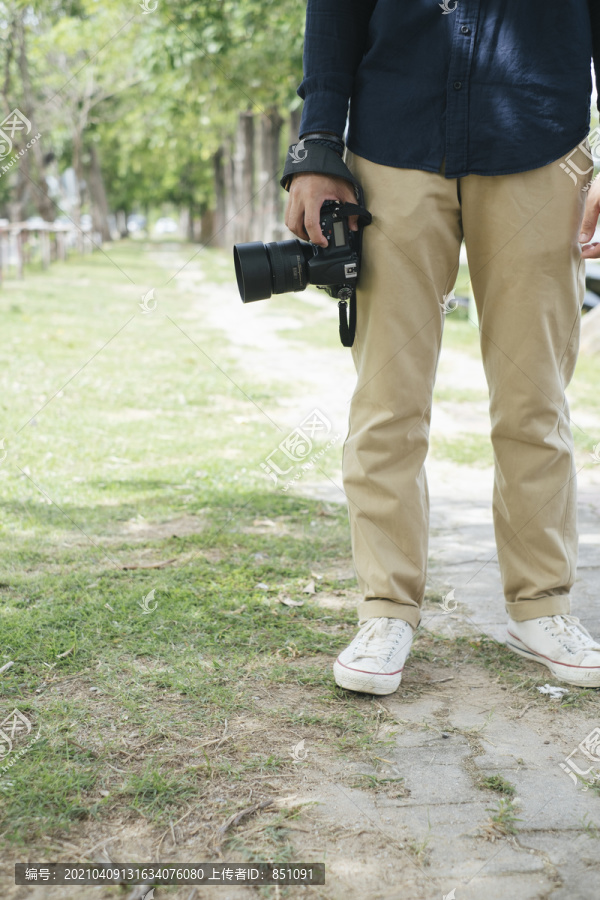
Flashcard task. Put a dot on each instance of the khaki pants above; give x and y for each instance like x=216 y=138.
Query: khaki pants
x=521 y=233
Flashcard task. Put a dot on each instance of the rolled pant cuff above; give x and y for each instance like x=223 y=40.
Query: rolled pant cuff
x=391 y=609
x=521 y=610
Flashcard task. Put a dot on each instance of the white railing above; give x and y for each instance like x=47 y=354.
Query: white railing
x=22 y=243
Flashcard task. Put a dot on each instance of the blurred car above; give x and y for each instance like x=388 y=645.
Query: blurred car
x=592 y=280
x=165 y=225
x=135 y=222
x=590 y=301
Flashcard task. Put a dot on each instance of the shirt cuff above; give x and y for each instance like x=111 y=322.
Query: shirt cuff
x=324 y=111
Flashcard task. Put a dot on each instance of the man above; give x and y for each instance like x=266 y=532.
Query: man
x=465 y=120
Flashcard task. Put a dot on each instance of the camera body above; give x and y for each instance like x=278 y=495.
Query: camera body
x=284 y=266
x=335 y=267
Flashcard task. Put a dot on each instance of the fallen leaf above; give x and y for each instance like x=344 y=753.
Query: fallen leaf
x=235 y=819
x=287 y=601
x=261 y=586
x=290 y=649
x=309 y=588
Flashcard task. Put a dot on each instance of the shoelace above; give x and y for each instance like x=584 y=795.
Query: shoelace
x=572 y=634
x=379 y=639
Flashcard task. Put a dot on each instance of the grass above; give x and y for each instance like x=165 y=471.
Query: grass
x=421 y=850
x=458 y=395
x=195 y=654
x=589 y=827
x=393 y=788
x=504 y=819
x=582 y=392
x=141 y=460
x=499 y=784
x=466 y=449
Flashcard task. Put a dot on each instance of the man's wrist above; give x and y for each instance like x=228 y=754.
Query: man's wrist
x=327 y=138
x=328 y=135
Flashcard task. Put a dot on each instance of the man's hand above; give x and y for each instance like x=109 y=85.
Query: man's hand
x=590 y=220
x=308 y=192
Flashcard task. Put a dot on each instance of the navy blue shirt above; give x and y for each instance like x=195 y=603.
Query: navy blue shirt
x=494 y=86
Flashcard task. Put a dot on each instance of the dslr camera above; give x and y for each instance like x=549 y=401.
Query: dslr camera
x=284 y=266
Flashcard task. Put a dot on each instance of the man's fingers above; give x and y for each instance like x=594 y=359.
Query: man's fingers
x=591 y=251
x=590 y=220
x=294 y=218
x=307 y=194
x=312 y=224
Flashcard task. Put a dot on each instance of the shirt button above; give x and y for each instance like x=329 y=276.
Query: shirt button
x=457 y=85
x=465 y=29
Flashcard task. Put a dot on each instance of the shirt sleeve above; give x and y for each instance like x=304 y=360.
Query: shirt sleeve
x=594 y=7
x=334 y=44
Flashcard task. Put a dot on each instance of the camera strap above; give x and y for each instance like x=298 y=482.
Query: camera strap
x=347 y=325
x=322 y=160
x=315 y=158
x=348 y=318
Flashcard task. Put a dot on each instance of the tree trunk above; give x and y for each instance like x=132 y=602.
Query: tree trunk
x=122 y=222
x=259 y=219
x=44 y=204
x=191 y=221
x=243 y=177
x=97 y=191
x=220 y=201
x=75 y=211
x=270 y=191
x=18 y=195
x=227 y=236
x=207 y=227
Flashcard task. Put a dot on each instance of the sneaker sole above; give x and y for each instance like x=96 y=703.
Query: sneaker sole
x=575 y=675
x=365 y=682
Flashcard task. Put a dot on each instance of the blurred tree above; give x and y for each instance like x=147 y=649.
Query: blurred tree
x=182 y=106
x=246 y=59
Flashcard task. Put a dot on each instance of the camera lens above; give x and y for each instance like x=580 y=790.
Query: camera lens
x=275 y=268
x=253 y=271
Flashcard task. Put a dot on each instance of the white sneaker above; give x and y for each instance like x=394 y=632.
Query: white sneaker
x=374 y=660
x=562 y=644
